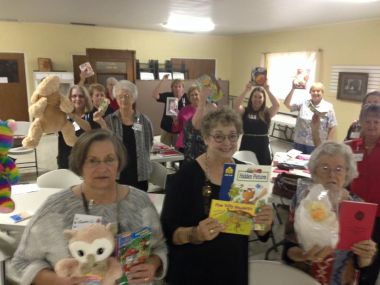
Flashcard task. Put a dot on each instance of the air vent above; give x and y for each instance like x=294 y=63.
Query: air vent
x=82 y=24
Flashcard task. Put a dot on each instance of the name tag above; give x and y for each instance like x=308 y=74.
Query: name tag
x=137 y=127
x=81 y=220
x=355 y=135
x=358 y=156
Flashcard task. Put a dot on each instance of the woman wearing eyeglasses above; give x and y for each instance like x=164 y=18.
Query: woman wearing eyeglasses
x=366 y=185
x=199 y=253
x=256 y=121
x=135 y=130
x=98 y=156
x=332 y=165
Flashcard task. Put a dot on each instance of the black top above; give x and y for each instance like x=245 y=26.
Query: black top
x=63 y=149
x=255 y=137
x=167 y=121
x=128 y=175
x=223 y=260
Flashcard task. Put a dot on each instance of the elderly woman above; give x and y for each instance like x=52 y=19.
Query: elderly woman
x=80 y=118
x=354 y=130
x=199 y=253
x=135 y=130
x=332 y=165
x=256 y=121
x=97 y=156
x=366 y=185
x=303 y=136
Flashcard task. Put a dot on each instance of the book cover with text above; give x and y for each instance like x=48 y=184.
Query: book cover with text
x=356 y=221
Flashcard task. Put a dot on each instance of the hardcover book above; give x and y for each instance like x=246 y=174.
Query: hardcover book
x=132 y=249
x=171 y=106
x=210 y=82
x=259 y=76
x=356 y=220
x=245 y=184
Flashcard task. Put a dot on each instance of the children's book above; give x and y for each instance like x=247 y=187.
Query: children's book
x=210 y=82
x=259 y=76
x=235 y=217
x=171 y=106
x=320 y=113
x=87 y=69
x=356 y=220
x=132 y=249
x=301 y=78
x=245 y=184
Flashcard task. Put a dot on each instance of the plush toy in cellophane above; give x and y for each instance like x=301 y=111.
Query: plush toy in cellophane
x=9 y=174
x=49 y=109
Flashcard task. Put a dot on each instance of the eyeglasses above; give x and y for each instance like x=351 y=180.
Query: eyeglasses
x=94 y=162
x=327 y=170
x=219 y=138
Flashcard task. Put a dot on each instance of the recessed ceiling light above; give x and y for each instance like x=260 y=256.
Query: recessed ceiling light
x=186 y=23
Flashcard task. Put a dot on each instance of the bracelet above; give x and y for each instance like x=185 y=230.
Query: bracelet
x=193 y=236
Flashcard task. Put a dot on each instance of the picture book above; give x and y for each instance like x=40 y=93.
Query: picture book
x=211 y=82
x=171 y=106
x=237 y=218
x=301 y=78
x=246 y=184
x=132 y=249
x=87 y=69
x=356 y=220
x=259 y=76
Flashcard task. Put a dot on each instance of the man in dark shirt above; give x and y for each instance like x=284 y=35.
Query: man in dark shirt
x=169 y=137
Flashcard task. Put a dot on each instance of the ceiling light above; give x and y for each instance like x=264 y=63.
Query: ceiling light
x=185 y=23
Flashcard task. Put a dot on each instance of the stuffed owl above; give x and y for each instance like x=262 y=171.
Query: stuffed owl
x=91 y=248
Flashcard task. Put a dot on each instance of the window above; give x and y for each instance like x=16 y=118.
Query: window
x=282 y=68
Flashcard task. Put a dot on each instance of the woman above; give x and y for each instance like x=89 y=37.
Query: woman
x=135 y=131
x=186 y=114
x=80 y=118
x=98 y=97
x=333 y=166
x=256 y=121
x=97 y=156
x=354 y=130
x=199 y=252
x=366 y=185
x=303 y=138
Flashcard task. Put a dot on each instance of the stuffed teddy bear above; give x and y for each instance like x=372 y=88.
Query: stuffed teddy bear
x=49 y=108
x=9 y=174
x=91 y=247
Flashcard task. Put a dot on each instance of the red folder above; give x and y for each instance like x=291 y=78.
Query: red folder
x=356 y=220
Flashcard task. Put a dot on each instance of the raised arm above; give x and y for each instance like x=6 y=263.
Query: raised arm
x=156 y=91
x=201 y=109
x=275 y=104
x=288 y=98
x=238 y=102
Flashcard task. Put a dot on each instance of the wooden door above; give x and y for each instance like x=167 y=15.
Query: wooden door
x=120 y=64
x=13 y=95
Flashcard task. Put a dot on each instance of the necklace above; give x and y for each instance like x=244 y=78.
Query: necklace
x=207 y=189
x=88 y=205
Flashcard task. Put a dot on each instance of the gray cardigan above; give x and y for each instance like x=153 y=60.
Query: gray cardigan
x=43 y=242
x=144 y=140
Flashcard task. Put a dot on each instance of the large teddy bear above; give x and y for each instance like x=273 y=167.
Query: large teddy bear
x=49 y=108
x=91 y=248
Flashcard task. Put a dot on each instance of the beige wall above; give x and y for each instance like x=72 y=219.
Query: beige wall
x=342 y=44
x=60 y=42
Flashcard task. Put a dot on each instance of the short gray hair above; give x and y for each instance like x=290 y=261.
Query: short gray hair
x=333 y=149
x=127 y=86
x=369 y=109
x=80 y=149
x=224 y=116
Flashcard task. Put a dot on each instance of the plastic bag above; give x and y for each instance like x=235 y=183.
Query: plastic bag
x=315 y=221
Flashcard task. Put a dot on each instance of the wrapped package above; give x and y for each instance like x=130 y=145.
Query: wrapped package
x=316 y=222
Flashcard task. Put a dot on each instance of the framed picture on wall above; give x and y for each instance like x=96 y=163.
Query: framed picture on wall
x=352 y=86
